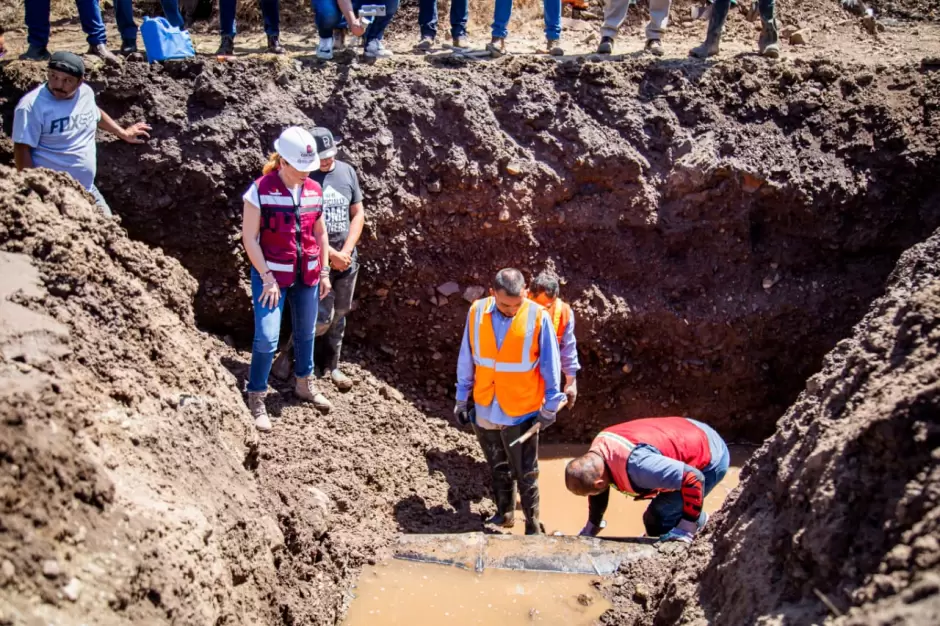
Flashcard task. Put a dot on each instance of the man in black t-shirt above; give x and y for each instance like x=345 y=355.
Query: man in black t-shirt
x=342 y=208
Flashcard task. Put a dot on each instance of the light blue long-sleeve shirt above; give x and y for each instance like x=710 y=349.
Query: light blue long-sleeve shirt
x=549 y=367
x=569 y=351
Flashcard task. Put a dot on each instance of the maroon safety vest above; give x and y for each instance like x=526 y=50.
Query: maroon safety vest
x=291 y=249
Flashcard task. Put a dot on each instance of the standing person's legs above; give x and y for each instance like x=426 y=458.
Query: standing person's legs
x=344 y=288
x=427 y=17
x=659 y=19
x=716 y=24
x=271 y=12
x=552 y=10
x=327 y=16
x=227 y=17
x=769 y=39
x=377 y=28
x=304 y=302
x=124 y=16
x=100 y=201
x=37 y=23
x=504 y=488
x=615 y=12
x=502 y=11
x=90 y=15
x=524 y=460
x=459 y=16
x=171 y=11
x=267 y=332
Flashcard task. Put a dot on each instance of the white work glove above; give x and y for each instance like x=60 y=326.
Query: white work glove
x=571 y=390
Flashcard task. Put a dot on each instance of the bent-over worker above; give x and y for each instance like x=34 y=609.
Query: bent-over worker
x=545 y=290
x=509 y=361
x=676 y=461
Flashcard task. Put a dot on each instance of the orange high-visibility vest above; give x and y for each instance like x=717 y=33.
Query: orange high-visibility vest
x=511 y=373
x=560 y=313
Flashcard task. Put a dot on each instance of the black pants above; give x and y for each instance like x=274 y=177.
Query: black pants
x=511 y=466
x=331 y=319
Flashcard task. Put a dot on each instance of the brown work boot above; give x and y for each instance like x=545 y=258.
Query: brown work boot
x=306 y=389
x=461 y=43
x=497 y=47
x=101 y=50
x=654 y=47
x=553 y=47
x=258 y=411
x=340 y=380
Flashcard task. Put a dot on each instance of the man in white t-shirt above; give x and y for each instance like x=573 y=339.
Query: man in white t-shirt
x=55 y=125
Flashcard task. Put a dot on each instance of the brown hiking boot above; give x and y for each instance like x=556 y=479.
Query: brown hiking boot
x=306 y=389
x=258 y=411
x=462 y=42
x=497 y=47
x=341 y=380
x=101 y=50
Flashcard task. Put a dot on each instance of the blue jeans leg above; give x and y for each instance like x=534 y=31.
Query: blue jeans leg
x=501 y=14
x=90 y=15
x=552 y=10
x=427 y=18
x=327 y=16
x=377 y=28
x=304 y=303
x=267 y=333
x=459 y=15
x=227 y=18
x=37 y=23
x=271 y=11
x=124 y=16
x=171 y=11
x=665 y=511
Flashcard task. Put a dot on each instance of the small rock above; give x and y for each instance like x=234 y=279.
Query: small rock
x=436 y=356
x=441 y=301
x=283 y=79
x=799 y=38
x=787 y=31
x=448 y=289
x=7 y=572
x=812 y=385
x=72 y=590
x=504 y=215
x=487 y=225
x=434 y=186
x=381 y=292
x=514 y=168
x=872 y=25
x=533 y=613
x=229 y=341
x=50 y=568
x=627 y=368
x=585 y=600
x=473 y=293
x=390 y=393
x=433 y=300
x=642 y=593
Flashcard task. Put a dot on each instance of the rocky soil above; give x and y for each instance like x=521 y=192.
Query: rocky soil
x=133 y=487
x=838 y=514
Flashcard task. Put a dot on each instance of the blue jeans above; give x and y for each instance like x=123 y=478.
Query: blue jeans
x=327 y=16
x=37 y=22
x=427 y=17
x=665 y=511
x=503 y=11
x=124 y=16
x=270 y=11
x=304 y=304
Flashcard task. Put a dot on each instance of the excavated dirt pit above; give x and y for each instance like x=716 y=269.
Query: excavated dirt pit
x=720 y=228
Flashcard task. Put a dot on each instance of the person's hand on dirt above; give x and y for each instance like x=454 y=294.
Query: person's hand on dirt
x=340 y=261
x=571 y=391
x=356 y=27
x=137 y=133
x=270 y=295
x=462 y=413
x=590 y=530
x=325 y=286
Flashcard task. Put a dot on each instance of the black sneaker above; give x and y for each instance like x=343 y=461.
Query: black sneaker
x=274 y=45
x=606 y=45
x=128 y=47
x=35 y=53
x=227 y=47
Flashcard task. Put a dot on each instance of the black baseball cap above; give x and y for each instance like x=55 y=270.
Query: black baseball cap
x=326 y=144
x=68 y=63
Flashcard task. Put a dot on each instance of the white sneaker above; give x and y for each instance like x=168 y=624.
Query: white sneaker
x=377 y=50
x=325 y=49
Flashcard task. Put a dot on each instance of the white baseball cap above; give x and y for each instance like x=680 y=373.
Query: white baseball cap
x=298 y=147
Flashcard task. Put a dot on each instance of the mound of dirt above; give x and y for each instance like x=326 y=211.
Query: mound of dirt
x=133 y=487
x=839 y=511
x=705 y=218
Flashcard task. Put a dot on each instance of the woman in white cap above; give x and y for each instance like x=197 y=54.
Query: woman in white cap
x=285 y=236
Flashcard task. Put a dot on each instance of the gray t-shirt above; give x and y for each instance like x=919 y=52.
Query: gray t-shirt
x=61 y=133
x=340 y=190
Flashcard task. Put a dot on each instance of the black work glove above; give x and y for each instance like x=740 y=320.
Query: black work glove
x=462 y=413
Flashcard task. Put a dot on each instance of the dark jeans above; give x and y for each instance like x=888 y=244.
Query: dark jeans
x=427 y=17
x=511 y=466
x=124 y=16
x=720 y=13
x=37 y=22
x=331 y=320
x=270 y=11
x=665 y=511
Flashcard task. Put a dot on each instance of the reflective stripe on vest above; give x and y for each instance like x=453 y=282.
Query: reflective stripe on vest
x=526 y=363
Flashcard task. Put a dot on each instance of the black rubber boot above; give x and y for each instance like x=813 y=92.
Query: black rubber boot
x=274 y=45
x=524 y=459
x=227 y=46
x=504 y=493
x=716 y=23
x=769 y=43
